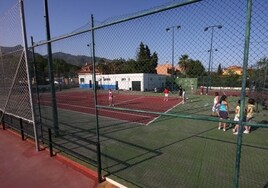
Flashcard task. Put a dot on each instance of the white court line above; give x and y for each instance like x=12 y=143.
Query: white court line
x=71 y=105
x=124 y=112
x=123 y=102
x=164 y=113
x=72 y=96
x=115 y=183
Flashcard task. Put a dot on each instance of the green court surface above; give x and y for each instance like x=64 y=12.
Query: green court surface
x=171 y=151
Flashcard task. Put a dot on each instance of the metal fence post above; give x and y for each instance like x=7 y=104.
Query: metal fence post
x=96 y=102
x=21 y=130
x=243 y=93
x=50 y=143
x=3 y=121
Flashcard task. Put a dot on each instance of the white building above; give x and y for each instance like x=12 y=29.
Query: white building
x=135 y=82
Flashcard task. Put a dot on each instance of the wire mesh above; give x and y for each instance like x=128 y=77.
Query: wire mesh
x=75 y=107
x=14 y=85
x=150 y=137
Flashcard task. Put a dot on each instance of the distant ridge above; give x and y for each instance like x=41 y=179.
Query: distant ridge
x=78 y=60
x=5 y=50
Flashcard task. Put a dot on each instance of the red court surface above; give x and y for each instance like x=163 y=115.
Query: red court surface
x=84 y=102
x=22 y=166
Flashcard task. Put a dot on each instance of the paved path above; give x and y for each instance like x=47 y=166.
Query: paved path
x=22 y=166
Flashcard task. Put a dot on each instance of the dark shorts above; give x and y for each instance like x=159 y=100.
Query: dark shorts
x=223 y=114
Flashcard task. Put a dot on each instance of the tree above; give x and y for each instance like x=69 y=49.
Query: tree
x=146 y=63
x=63 y=69
x=263 y=63
x=130 y=66
x=41 y=69
x=194 y=68
x=153 y=63
x=219 y=70
x=262 y=71
x=190 y=67
x=103 y=67
x=183 y=62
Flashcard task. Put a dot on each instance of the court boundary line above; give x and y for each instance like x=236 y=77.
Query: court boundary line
x=104 y=117
x=164 y=113
x=85 y=107
x=115 y=183
x=123 y=113
x=126 y=101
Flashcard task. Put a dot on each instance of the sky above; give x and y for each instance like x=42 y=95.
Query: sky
x=122 y=40
x=68 y=15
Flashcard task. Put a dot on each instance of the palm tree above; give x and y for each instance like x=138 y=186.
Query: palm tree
x=263 y=65
x=263 y=62
x=183 y=61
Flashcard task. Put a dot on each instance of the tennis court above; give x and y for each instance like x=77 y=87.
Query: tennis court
x=186 y=149
x=213 y=44
x=83 y=101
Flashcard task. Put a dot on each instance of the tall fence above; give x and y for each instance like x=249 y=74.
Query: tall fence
x=103 y=93
x=16 y=94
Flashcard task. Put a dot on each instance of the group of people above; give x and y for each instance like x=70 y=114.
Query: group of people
x=220 y=108
x=182 y=94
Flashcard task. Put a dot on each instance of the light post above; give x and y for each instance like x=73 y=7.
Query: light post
x=210 y=50
x=89 y=45
x=172 y=28
x=211 y=67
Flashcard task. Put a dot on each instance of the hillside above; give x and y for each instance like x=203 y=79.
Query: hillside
x=78 y=60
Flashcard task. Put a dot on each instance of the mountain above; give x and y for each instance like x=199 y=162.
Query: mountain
x=78 y=60
x=4 y=49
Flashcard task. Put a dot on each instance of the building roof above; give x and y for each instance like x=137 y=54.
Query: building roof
x=88 y=68
x=163 y=69
x=235 y=69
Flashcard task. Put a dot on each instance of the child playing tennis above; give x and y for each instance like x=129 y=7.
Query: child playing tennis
x=223 y=111
x=110 y=98
x=236 y=118
x=215 y=106
x=183 y=96
x=166 y=94
x=249 y=113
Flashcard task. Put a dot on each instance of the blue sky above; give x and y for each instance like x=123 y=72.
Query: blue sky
x=68 y=15
x=124 y=39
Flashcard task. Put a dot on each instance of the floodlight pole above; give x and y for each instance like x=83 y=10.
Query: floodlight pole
x=172 y=62
x=211 y=66
x=50 y=71
x=210 y=51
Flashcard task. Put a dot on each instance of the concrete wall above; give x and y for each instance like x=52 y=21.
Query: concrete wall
x=139 y=81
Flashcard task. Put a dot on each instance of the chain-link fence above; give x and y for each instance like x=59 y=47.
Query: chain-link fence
x=137 y=96
x=15 y=95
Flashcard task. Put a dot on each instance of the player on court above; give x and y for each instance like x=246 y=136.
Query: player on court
x=166 y=94
x=111 y=98
x=223 y=112
x=215 y=106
